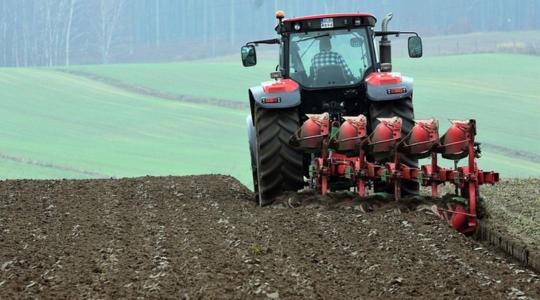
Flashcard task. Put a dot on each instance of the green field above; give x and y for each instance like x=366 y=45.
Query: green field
x=223 y=78
x=57 y=125
x=53 y=122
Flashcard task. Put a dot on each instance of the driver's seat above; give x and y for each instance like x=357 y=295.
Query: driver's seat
x=330 y=75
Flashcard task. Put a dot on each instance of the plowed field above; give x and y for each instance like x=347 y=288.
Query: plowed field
x=201 y=237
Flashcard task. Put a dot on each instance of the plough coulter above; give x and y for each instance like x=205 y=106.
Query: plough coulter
x=335 y=117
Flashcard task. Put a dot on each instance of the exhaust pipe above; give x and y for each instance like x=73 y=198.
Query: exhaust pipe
x=386 y=20
x=385 y=47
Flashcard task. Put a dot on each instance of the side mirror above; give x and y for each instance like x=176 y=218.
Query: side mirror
x=415 y=47
x=249 y=56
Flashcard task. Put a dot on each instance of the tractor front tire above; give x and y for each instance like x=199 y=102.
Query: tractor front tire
x=279 y=166
x=403 y=109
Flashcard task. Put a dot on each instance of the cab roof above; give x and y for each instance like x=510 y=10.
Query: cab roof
x=323 y=16
x=326 y=21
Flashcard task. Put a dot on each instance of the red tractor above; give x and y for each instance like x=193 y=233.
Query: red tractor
x=336 y=117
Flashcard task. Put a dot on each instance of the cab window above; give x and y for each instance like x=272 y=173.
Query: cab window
x=329 y=58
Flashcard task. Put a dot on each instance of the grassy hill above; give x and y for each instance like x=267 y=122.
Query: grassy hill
x=223 y=78
x=57 y=125
x=499 y=90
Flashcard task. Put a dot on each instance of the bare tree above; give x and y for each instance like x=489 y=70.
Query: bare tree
x=232 y=20
x=109 y=11
x=205 y=21
x=4 y=33
x=68 y=30
x=158 y=42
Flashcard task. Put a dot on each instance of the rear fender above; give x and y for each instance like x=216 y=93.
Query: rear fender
x=282 y=93
x=386 y=86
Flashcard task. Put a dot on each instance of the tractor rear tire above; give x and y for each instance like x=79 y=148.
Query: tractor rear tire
x=404 y=110
x=279 y=166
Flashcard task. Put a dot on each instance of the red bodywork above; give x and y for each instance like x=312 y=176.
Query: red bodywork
x=351 y=134
x=455 y=139
x=280 y=86
x=386 y=135
x=422 y=138
x=313 y=132
x=383 y=78
x=323 y=16
x=343 y=148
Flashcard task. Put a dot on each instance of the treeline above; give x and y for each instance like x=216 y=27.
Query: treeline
x=63 y=32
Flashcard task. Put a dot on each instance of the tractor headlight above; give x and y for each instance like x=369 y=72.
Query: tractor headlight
x=297 y=26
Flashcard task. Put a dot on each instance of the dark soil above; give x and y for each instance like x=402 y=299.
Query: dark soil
x=514 y=208
x=201 y=237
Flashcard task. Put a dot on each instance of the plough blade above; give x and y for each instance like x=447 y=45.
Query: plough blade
x=351 y=135
x=312 y=133
x=385 y=136
x=423 y=137
x=454 y=143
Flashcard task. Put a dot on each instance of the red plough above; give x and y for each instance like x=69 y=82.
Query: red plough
x=344 y=154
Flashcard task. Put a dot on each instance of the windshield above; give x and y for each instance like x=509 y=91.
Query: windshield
x=329 y=58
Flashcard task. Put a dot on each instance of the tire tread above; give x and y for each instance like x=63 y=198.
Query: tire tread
x=280 y=167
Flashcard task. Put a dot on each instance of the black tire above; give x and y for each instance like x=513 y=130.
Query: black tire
x=279 y=166
x=404 y=110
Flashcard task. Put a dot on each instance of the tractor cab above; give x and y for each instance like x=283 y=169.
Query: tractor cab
x=329 y=51
x=338 y=57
